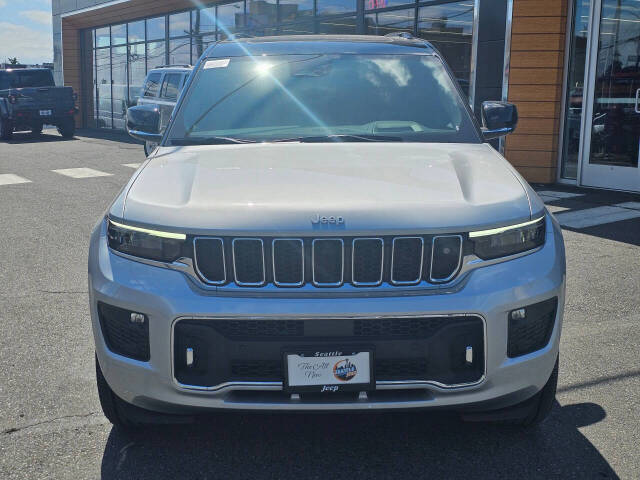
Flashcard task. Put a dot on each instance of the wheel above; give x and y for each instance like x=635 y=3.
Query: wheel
x=111 y=404
x=543 y=403
x=67 y=127
x=149 y=147
x=529 y=413
x=36 y=129
x=127 y=417
x=6 y=129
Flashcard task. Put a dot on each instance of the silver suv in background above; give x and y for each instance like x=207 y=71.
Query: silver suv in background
x=324 y=226
x=161 y=89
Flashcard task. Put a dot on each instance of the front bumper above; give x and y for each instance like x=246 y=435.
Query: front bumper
x=166 y=296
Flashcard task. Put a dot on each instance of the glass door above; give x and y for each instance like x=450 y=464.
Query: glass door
x=613 y=133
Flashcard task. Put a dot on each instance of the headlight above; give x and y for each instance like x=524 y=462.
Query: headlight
x=505 y=241
x=145 y=243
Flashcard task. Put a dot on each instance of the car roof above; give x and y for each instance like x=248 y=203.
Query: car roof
x=172 y=68
x=311 y=44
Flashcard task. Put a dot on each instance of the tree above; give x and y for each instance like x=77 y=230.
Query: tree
x=13 y=61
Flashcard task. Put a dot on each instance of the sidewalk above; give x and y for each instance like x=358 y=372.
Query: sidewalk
x=602 y=213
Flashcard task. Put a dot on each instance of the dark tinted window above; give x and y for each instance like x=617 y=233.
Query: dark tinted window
x=152 y=85
x=25 y=78
x=171 y=86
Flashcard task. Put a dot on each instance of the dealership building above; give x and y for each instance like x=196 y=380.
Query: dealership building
x=571 y=66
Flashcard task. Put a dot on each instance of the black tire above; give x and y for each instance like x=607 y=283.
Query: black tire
x=67 y=127
x=6 y=129
x=529 y=413
x=127 y=417
x=36 y=129
x=543 y=403
x=111 y=404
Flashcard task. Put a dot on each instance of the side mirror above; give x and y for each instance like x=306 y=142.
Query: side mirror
x=143 y=123
x=498 y=119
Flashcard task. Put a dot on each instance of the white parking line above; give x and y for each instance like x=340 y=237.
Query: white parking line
x=557 y=195
x=131 y=165
x=591 y=217
x=81 y=172
x=11 y=179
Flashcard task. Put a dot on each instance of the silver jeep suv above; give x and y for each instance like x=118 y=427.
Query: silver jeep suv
x=324 y=227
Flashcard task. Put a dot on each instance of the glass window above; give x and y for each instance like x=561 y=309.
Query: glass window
x=179 y=24
x=119 y=90
x=392 y=97
x=155 y=54
x=373 y=4
x=136 y=32
x=103 y=37
x=180 y=51
x=260 y=14
x=137 y=71
x=25 y=78
x=615 y=127
x=291 y=10
x=103 y=87
x=332 y=7
x=171 y=86
x=449 y=27
x=575 y=90
x=152 y=85
x=390 y=22
x=155 y=28
x=297 y=29
x=203 y=21
x=230 y=17
x=118 y=34
x=338 y=26
x=199 y=45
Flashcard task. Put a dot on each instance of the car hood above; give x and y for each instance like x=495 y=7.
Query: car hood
x=279 y=188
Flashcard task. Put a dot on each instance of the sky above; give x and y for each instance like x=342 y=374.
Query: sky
x=25 y=31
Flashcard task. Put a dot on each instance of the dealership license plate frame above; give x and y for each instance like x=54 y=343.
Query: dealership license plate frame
x=45 y=113
x=318 y=387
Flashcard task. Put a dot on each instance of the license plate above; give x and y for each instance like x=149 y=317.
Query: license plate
x=45 y=113
x=329 y=371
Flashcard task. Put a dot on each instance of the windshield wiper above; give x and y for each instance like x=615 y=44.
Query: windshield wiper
x=340 y=138
x=209 y=141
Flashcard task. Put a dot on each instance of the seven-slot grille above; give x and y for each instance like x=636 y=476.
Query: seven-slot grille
x=328 y=262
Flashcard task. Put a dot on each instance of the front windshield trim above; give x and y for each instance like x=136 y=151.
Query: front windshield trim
x=474 y=132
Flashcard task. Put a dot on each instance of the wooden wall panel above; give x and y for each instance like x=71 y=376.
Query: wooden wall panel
x=71 y=64
x=535 y=86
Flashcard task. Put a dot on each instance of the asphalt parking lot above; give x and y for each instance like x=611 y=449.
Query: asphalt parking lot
x=52 y=192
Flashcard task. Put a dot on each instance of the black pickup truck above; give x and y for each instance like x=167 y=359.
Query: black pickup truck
x=29 y=99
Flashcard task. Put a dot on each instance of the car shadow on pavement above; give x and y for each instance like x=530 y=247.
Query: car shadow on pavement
x=45 y=136
x=387 y=445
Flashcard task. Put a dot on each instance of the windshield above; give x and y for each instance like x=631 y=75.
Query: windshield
x=25 y=78
x=315 y=98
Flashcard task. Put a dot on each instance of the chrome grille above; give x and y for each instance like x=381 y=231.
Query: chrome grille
x=446 y=256
x=327 y=258
x=209 y=259
x=405 y=270
x=367 y=261
x=288 y=262
x=248 y=262
x=328 y=262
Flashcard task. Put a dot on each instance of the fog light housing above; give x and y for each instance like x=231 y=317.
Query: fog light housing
x=125 y=332
x=530 y=327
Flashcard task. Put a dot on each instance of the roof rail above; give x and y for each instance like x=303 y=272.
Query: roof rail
x=405 y=35
x=174 y=66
